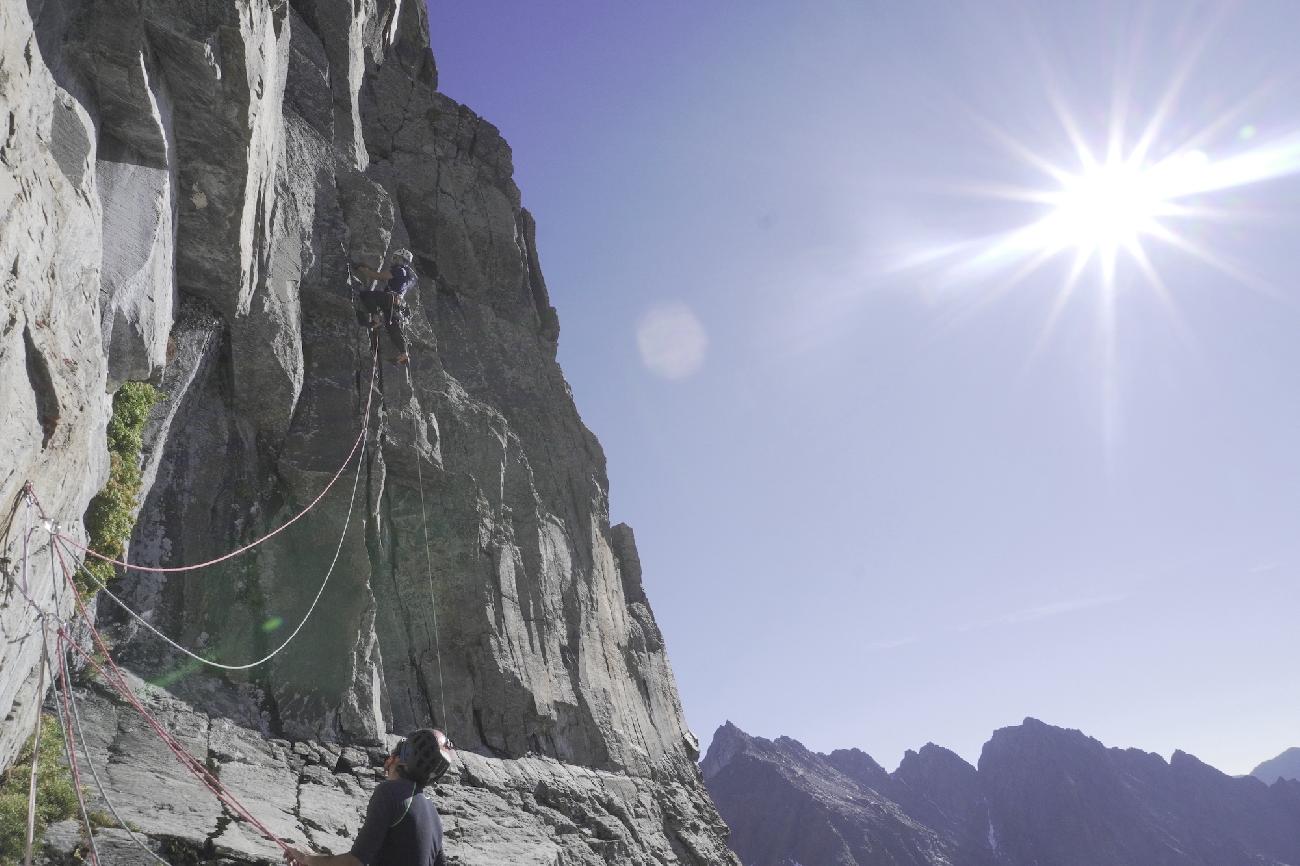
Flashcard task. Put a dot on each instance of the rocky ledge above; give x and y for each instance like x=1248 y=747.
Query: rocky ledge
x=530 y=810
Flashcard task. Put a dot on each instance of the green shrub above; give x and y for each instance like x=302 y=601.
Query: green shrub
x=56 y=799
x=111 y=514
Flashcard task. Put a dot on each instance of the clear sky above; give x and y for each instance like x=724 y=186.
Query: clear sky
x=891 y=484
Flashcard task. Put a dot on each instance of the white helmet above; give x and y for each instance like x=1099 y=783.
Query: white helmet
x=404 y=255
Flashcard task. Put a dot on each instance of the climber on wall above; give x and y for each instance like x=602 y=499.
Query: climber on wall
x=402 y=826
x=386 y=305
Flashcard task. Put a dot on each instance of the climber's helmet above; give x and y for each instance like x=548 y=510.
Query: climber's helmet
x=425 y=756
x=403 y=255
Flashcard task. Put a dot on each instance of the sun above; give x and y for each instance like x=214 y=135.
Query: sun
x=1106 y=207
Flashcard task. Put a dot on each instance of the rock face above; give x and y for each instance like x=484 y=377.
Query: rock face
x=182 y=186
x=1284 y=766
x=530 y=810
x=1040 y=795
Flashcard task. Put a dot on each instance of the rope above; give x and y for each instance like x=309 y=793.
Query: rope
x=338 y=550
x=103 y=792
x=26 y=532
x=36 y=744
x=118 y=681
x=59 y=685
x=274 y=532
x=428 y=557
x=184 y=757
x=70 y=748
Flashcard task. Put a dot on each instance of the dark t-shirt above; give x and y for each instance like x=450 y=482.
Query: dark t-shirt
x=402 y=828
x=403 y=279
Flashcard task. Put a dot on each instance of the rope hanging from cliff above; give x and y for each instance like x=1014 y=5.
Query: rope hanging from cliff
x=103 y=791
x=338 y=550
x=193 y=764
x=428 y=557
x=61 y=687
x=117 y=680
x=356 y=447
x=43 y=617
x=36 y=746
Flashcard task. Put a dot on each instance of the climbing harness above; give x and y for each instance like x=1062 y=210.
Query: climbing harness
x=356 y=445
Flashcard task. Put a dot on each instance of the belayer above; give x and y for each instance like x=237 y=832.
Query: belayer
x=402 y=826
x=386 y=304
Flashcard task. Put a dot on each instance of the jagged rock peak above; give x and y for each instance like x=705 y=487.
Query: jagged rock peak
x=1284 y=766
x=1040 y=794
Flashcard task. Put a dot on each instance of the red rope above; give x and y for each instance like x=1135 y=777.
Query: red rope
x=118 y=682
x=365 y=416
x=70 y=740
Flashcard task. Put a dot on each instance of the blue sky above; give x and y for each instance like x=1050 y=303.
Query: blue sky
x=881 y=503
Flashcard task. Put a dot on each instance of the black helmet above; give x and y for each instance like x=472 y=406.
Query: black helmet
x=422 y=755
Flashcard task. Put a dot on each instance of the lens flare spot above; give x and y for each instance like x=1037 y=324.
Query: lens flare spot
x=671 y=340
x=272 y=624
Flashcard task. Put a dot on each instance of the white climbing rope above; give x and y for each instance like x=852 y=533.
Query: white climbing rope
x=223 y=794
x=338 y=550
x=60 y=677
x=103 y=792
x=60 y=687
x=356 y=446
x=36 y=743
x=27 y=531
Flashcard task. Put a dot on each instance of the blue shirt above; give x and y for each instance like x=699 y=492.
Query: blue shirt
x=403 y=279
x=402 y=828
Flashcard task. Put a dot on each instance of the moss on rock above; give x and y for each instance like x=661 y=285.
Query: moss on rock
x=56 y=799
x=111 y=514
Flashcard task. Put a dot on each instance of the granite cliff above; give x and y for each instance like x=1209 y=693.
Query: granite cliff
x=182 y=186
x=1040 y=795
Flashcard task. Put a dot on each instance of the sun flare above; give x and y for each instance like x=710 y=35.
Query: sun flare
x=1101 y=209
x=1106 y=209
x=1108 y=206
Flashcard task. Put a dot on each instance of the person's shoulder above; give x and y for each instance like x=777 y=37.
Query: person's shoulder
x=394 y=790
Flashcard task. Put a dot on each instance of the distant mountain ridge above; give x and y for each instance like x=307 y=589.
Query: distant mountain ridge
x=1284 y=766
x=1040 y=795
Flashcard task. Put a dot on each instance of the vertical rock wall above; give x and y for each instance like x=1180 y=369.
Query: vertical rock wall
x=186 y=183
